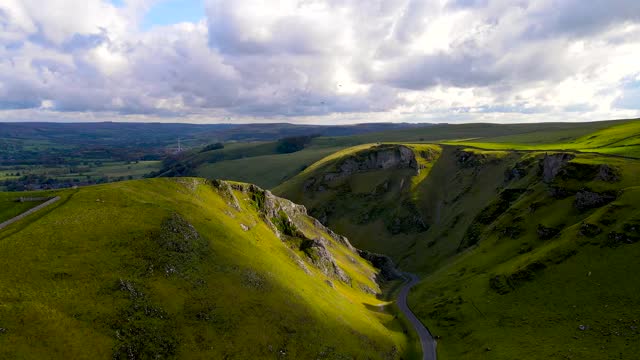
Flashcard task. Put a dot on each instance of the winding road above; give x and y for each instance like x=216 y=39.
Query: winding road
x=426 y=340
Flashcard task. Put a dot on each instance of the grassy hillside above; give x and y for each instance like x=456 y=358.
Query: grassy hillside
x=262 y=164
x=186 y=268
x=267 y=170
x=541 y=269
x=522 y=252
x=372 y=203
x=532 y=132
x=621 y=139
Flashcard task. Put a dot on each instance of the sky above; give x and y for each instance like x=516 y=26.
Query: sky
x=319 y=61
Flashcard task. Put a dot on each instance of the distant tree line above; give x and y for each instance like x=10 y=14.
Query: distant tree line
x=294 y=143
x=215 y=146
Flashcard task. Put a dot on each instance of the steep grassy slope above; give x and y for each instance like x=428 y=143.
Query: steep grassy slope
x=368 y=191
x=186 y=268
x=267 y=170
x=403 y=211
x=524 y=252
x=549 y=275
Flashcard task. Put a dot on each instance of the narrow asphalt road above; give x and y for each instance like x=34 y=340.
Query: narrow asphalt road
x=426 y=340
x=29 y=212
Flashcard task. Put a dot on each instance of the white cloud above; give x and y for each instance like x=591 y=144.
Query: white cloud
x=322 y=61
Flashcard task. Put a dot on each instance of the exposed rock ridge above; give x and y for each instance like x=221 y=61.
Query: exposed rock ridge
x=375 y=158
x=552 y=164
x=285 y=219
x=384 y=263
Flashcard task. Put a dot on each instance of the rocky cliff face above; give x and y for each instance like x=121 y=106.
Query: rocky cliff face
x=286 y=219
x=376 y=158
x=552 y=164
x=388 y=270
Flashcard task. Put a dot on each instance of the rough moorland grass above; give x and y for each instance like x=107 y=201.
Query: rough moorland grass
x=103 y=275
x=576 y=301
x=622 y=139
x=267 y=170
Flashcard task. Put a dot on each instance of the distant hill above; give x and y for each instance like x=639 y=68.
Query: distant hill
x=59 y=155
x=262 y=163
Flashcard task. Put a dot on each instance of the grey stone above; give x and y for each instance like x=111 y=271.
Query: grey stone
x=552 y=164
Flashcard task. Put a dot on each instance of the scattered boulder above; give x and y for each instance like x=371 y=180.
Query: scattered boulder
x=406 y=224
x=558 y=192
x=321 y=258
x=244 y=227
x=518 y=171
x=590 y=230
x=301 y=263
x=469 y=159
x=130 y=288
x=632 y=228
x=367 y=289
x=525 y=274
x=308 y=184
x=253 y=280
x=615 y=239
x=384 y=263
x=514 y=174
x=227 y=193
x=552 y=164
x=499 y=284
x=546 y=233
x=177 y=235
x=608 y=173
x=586 y=199
x=512 y=232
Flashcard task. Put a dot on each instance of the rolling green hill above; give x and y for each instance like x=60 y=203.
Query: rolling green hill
x=522 y=251
x=621 y=139
x=187 y=268
x=261 y=162
x=525 y=236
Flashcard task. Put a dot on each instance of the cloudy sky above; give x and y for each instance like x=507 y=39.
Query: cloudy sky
x=319 y=61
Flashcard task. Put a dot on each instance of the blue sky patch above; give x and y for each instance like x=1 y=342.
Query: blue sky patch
x=167 y=12
x=630 y=98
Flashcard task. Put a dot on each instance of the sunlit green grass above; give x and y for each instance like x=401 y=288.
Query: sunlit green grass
x=62 y=269
x=584 y=282
x=620 y=140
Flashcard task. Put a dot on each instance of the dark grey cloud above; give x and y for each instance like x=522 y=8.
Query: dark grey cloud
x=460 y=70
x=467 y=3
x=578 y=18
